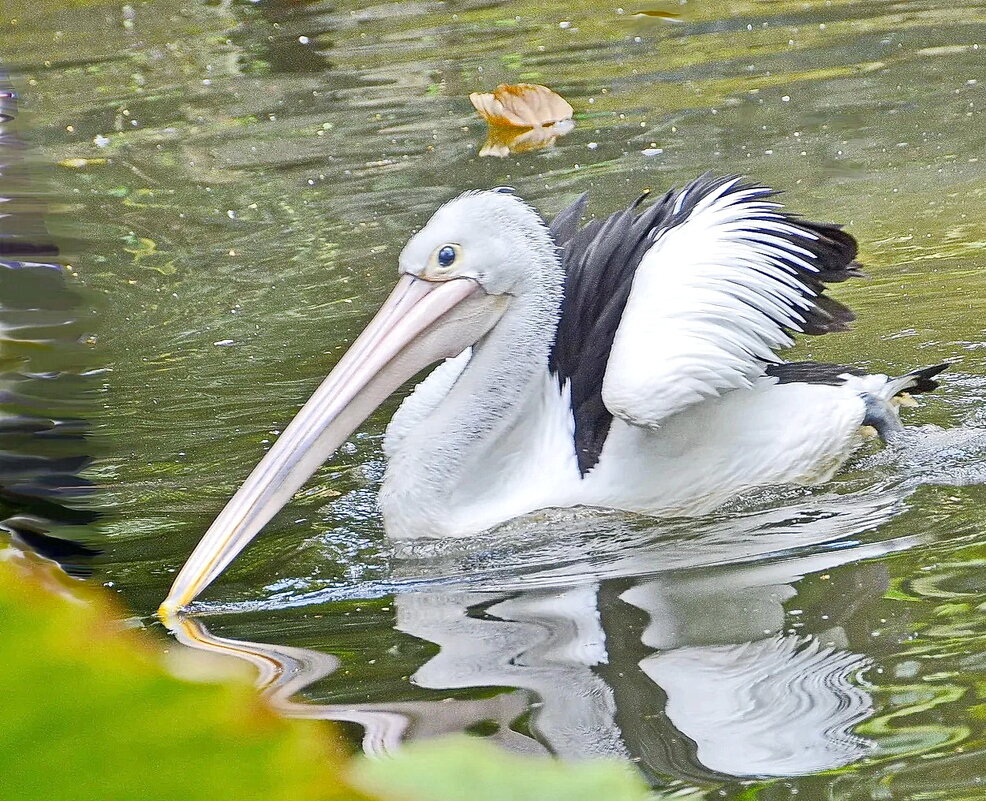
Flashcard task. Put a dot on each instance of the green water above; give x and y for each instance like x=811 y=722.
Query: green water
x=254 y=169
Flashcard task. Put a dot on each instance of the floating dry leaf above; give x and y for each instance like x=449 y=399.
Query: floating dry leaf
x=78 y=164
x=668 y=15
x=502 y=140
x=522 y=105
x=522 y=117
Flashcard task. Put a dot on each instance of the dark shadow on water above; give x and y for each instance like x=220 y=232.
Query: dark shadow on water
x=44 y=498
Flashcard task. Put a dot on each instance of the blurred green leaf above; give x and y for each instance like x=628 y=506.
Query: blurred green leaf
x=464 y=769
x=91 y=713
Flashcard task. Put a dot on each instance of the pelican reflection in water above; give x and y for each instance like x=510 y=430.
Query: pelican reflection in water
x=629 y=364
x=693 y=673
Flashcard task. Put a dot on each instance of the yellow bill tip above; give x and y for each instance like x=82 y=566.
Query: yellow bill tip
x=168 y=612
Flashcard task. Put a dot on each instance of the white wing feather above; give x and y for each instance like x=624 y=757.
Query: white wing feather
x=710 y=302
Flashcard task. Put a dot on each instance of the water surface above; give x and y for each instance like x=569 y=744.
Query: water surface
x=231 y=183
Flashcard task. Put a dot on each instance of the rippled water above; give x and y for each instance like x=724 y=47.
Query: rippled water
x=230 y=184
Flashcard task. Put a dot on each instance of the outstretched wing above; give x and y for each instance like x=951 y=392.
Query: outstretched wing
x=686 y=300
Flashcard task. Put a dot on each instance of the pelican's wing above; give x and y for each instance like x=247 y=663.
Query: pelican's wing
x=687 y=300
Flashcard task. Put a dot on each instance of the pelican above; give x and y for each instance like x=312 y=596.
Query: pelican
x=627 y=364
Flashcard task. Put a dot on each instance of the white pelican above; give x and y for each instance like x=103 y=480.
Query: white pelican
x=629 y=364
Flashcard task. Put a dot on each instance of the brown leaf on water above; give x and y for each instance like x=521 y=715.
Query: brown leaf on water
x=668 y=15
x=522 y=105
x=522 y=117
x=502 y=140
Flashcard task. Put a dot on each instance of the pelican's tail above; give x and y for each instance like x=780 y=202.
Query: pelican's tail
x=914 y=383
x=883 y=395
x=883 y=402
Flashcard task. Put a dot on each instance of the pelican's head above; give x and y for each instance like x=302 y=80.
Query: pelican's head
x=458 y=275
x=492 y=238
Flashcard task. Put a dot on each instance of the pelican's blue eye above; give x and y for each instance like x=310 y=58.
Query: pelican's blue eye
x=446 y=256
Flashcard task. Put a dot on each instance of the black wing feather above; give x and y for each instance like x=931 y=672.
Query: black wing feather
x=600 y=261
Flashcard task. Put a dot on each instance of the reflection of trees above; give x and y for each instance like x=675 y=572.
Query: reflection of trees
x=692 y=672
x=41 y=434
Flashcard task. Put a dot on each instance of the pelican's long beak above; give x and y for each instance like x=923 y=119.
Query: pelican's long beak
x=420 y=323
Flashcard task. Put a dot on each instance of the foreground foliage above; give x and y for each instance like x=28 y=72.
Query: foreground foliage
x=91 y=712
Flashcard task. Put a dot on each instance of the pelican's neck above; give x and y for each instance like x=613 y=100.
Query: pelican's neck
x=506 y=367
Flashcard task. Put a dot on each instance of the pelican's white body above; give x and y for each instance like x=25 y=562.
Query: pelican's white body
x=698 y=459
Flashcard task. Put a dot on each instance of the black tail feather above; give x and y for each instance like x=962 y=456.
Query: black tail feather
x=923 y=379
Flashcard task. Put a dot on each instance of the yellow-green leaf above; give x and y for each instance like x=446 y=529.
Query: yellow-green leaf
x=464 y=769
x=90 y=713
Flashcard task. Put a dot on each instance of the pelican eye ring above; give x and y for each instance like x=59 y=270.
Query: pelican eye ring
x=446 y=255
